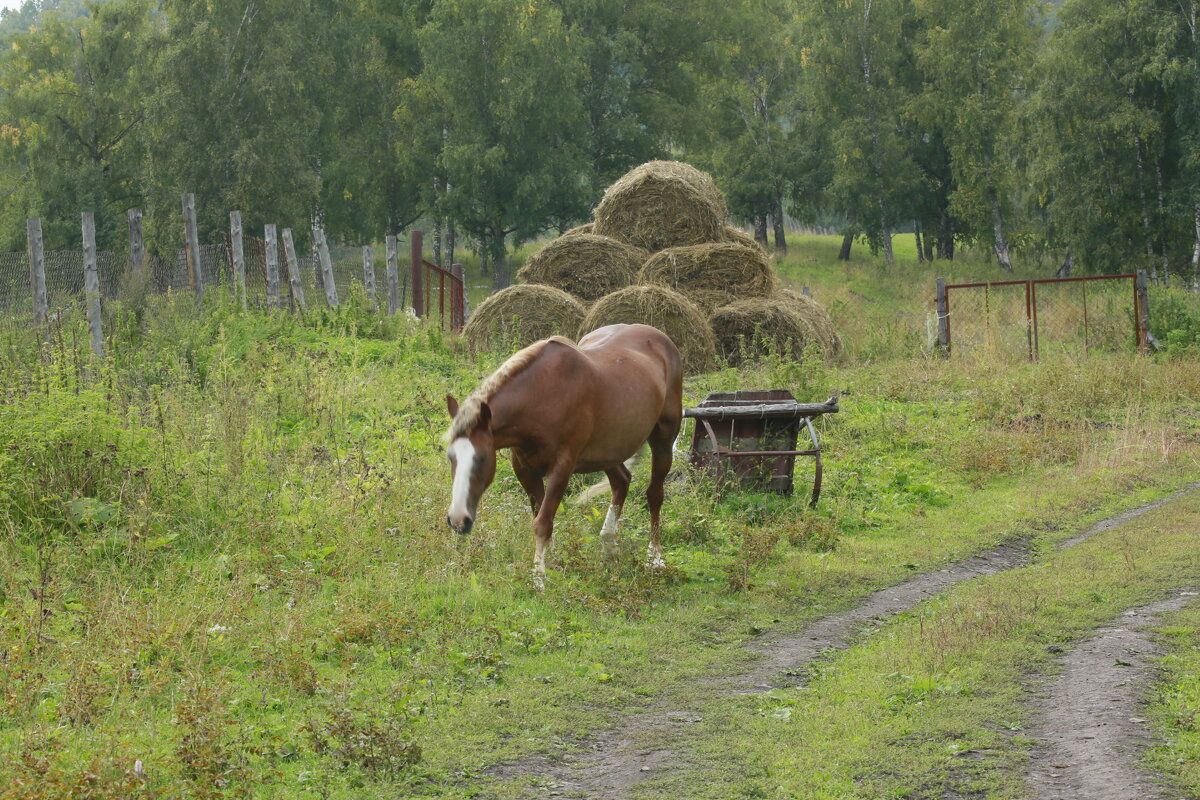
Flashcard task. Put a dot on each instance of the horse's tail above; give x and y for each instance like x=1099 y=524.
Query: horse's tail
x=592 y=492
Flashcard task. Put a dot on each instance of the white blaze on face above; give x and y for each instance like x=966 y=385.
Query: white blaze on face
x=464 y=465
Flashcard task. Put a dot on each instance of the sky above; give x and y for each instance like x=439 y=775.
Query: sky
x=10 y=3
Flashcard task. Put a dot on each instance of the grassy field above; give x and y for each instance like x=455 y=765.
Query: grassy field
x=226 y=572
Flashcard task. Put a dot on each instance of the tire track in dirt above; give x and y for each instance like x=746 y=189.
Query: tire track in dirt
x=615 y=760
x=1090 y=722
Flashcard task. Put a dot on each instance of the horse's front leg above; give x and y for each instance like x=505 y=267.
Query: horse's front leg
x=543 y=523
x=530 y=480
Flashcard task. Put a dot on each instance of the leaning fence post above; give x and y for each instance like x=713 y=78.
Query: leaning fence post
x=322 y=245
x=393 y=273
x=239 y=255
x=137 y=247
x=369 y=273
x=37 y=271
x=418 y=272
x=458 y=303
x=272 y=266
x=943 y=318
x=195 y=270
x=91 y=283
x=1143 y=303
x=293 y=268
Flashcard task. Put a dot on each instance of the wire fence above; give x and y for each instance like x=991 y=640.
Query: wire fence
x=1025 y=319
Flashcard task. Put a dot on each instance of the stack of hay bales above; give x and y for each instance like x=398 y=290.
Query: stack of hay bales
x=660 y=252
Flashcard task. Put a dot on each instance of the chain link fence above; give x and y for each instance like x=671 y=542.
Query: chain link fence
x=1024 y=319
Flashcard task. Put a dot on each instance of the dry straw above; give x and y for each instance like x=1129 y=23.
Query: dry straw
x=819 y=323
x=738 y=236
x=585 y=265
x=669 y=311
x=783 y=324
x=662 y=204
x=711 y=275
x=578 y=229
x=521 y=315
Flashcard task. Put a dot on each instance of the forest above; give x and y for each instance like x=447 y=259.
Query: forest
x=1062 y=134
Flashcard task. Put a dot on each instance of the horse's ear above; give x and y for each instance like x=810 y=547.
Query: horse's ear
x=452 y=406
x=485 y=414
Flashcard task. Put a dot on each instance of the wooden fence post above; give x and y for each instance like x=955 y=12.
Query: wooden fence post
x=458 y=300
x=369 y=273
x=239 y=255
x=293 y=268
x=1143 y=298
x=272 y=266
x=137 y=247
x=37 y=272
x=91 y=283
x=322 y=245
x=418 y=272
x=195 y=270
x=393 y=273
x=943 y=319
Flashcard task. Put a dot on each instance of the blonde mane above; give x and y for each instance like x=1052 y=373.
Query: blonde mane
x=468 y=413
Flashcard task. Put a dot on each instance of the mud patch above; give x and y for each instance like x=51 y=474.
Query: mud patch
x=1091 y=724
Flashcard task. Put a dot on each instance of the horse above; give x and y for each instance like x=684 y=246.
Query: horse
x=560 y=409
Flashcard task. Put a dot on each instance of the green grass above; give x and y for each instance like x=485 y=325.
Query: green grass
x=223 y=552
x=1176 y=702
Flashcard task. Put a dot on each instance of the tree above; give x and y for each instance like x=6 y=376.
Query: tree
x=972 y=58
x=70 y=95
x=501 y=77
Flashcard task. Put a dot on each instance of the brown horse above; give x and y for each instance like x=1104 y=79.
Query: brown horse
x=562 y=409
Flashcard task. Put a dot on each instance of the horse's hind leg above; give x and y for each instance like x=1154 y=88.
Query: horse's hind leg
x=618 y=480
x=543 y=522
x=661 y=442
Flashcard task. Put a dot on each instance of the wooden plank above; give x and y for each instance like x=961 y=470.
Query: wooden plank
x=418 y=272
x=137 y=247
x=272 y=245
x=293 y=268
x=943 y=318
x=764 y=410
x=37 y=271
x=331 y=295
x=393 y=273
x=192 y=246
x=369 y=273
x=91 y=284
x=239 y=255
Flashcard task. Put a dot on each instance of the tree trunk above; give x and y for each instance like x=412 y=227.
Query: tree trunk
x=945 y=243
x=917 y=239
x=885 y=231
x=927 y=241
x=1196 y=252
x=1162 y=218
x=777 y=218
x=485 y=257
x=1002 y=255
x=437 y=242
x=450 y=241
x=847 y=242
x=1065 y=270
x=760 y=229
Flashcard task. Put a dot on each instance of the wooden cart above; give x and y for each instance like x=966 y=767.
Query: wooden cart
x=749 y=437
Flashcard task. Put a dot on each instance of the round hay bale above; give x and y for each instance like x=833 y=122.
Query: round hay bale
x=521 y=315
x=819 y=323
x=578 y=229
x=748 y=329
x=738 y=236
x=662 y=204
x=669 y=311
x=585 y=265
x=711 y=275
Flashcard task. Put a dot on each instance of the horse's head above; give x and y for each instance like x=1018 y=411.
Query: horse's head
x=472 y=466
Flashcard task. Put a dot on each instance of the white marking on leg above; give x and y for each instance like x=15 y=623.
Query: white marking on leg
x=608 y=533
x=539 y=567
x=654 y=557
x=464 y=464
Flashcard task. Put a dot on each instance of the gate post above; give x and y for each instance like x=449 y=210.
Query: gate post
x=418 y=272
x=943 y=318
x=458 y=303
x=393 y=273
x=1143 y=311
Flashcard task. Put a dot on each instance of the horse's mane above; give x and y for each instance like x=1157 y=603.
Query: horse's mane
x=468 y=413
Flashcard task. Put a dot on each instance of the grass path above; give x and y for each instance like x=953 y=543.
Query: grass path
x=663 y=751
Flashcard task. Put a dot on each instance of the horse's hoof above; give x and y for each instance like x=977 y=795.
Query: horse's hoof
x=655 y=560
x=539 y=582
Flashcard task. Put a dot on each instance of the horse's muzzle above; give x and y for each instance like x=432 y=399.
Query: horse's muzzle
x=462 y=528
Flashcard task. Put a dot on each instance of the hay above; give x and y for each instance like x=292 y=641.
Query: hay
x=669 y=311
x=738 y=236
x=585 y=265
x=521 y=315
x=783 y=324
x=662 y=204
x=578 y=229
x=820 y=324
x=711 y=275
